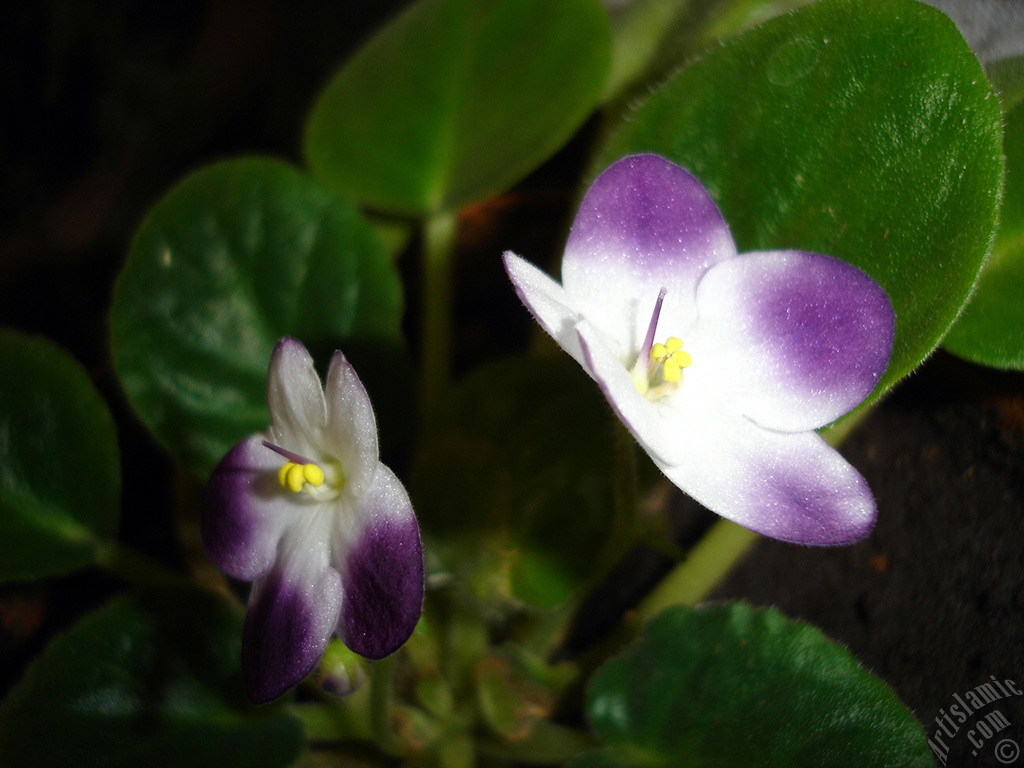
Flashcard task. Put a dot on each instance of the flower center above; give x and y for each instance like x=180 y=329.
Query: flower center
x=672 y=359
x=300 y=474
x=659 y=367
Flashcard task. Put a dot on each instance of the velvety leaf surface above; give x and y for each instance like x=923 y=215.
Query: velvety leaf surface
x=991 y=329
x=732 y=686
x=455 y=100
x=652 y=37
x=152 y=680
x=236 y=256
x=1007 y=75
x=60 y=479
x=862 y=130
x=518 y=482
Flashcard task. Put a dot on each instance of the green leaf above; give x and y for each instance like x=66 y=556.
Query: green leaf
x=508 y=499
x=152 y=680
x=60 y=478
x=236 y=256
x=731 y=685
x=456 y=100
x=1007 y=75
x=862 y=130
x=651 y=38
x=990 y=329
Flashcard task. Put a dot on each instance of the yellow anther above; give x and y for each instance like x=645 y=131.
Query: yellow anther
x=672 y=369
x=295 y=478
x=313 y=475
x=662 y=352
x=282 y=473
x=682 y=359
x=672 y=359
x=671 y=372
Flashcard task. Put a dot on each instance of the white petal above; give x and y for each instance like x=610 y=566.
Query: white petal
x=550 y=305
x=298 y=412
x=658 y=426
x=792 y=487
x=351 y=433
x=789 y=486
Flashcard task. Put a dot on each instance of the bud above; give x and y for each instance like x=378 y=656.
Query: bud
x=341 y=671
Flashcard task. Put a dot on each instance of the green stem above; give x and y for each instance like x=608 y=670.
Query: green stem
x=381 y=689
x=438 y=272
x=136 y=568
x=708 y=562
x=333 y=722
x=721 y=548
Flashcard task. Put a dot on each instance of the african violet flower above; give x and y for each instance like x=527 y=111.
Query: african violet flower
x=326 y=532
x=721 y=365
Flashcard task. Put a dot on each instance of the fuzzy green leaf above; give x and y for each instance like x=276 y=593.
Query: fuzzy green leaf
x=153 y=680
x=236 y=256
x=60 y=477
x=456 y=100
x=731 y=686
x=991 y=329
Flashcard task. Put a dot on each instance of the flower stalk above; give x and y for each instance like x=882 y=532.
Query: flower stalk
x=438 y=326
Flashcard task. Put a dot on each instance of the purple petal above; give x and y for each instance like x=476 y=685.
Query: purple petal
x=645 y=224
x=245 y=510
x=290 y=618
x=382 y=572
x=547 y=301
x=351 y=433
x=298 y=411
x=792 y=487
x=788 y=486
x=796 y=339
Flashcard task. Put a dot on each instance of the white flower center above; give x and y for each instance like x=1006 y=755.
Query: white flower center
x=301 y=475
x=658 y=369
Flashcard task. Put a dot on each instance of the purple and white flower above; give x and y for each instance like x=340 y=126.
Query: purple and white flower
x=325 y=531
x=720 y=365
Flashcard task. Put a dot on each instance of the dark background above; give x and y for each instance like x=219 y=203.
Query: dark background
x=106 y=105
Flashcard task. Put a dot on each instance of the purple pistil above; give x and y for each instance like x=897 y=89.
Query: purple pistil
x=288 y=454
x=645 y=350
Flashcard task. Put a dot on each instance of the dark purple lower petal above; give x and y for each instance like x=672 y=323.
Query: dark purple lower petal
x=383 y=573
x=290 y=618
x=245 y=511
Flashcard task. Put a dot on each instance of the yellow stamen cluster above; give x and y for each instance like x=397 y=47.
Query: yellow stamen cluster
x=672 y=359
x=295 y=476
